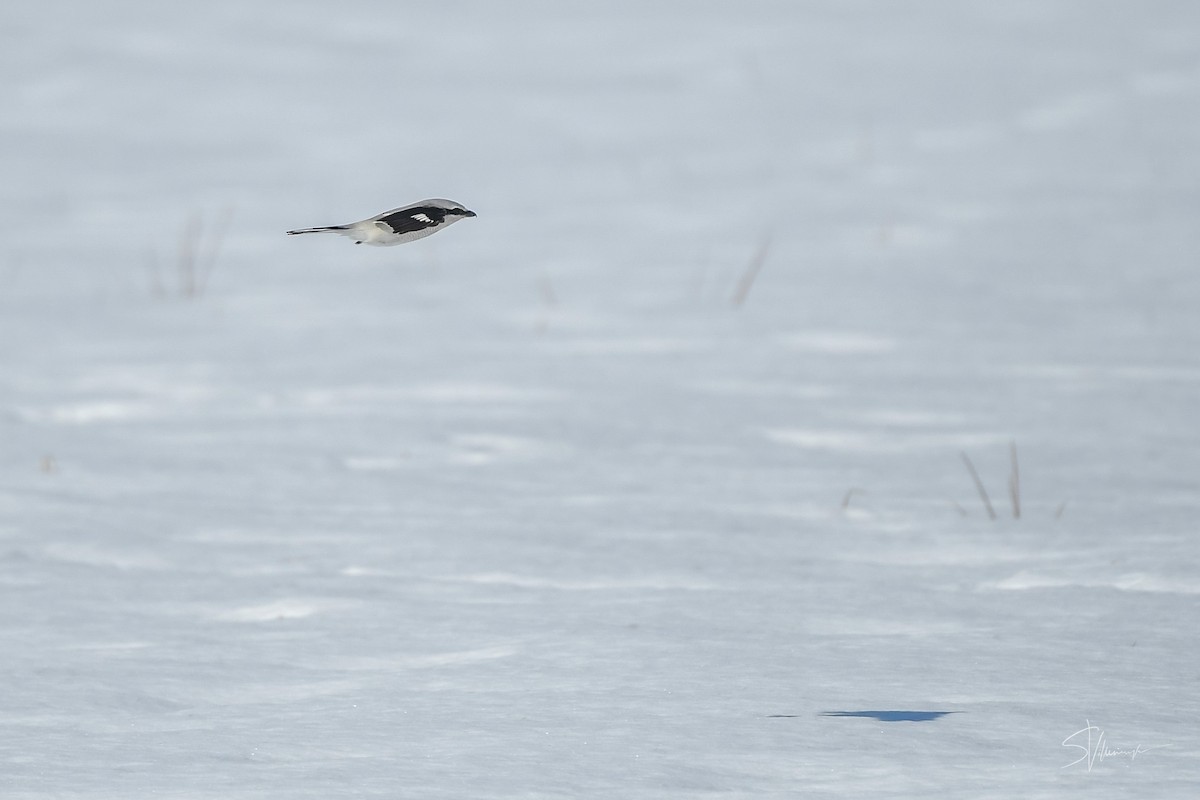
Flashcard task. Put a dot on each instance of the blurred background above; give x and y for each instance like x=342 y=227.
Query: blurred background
x=999 y=188
x=611 y=137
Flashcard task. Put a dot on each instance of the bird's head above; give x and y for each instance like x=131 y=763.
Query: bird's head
x=451 y=208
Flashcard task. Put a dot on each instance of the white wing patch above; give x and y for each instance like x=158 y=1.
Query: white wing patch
x=422 y=218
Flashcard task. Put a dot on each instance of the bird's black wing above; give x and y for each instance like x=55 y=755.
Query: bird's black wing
x=414 y=219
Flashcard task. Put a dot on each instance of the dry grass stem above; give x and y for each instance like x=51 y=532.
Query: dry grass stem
x=1014 y=482
x=849 y=494
x=750 y=273
x=983 y=495
x=207 y=260
x=198 y=251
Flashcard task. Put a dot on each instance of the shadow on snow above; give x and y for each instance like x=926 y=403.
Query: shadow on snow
x=892 y=716
x=882 y=716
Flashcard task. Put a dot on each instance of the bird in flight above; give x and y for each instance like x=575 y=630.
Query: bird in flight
x=400 y=225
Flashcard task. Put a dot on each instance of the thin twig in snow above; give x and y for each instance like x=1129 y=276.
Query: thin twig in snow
x=215 y=239
x=983 y=495
x=750 y=273
x=189 y=247
x=1014 y=482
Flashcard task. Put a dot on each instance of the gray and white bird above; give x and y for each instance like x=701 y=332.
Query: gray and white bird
x=400 y=225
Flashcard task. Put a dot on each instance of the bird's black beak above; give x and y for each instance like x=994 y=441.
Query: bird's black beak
x=467 y=213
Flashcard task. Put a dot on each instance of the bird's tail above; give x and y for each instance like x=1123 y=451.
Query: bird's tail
x=319 y=230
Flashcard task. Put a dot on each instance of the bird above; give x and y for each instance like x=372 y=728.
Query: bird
x=400 y=225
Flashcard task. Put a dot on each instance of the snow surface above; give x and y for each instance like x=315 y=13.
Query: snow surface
x=536 y=508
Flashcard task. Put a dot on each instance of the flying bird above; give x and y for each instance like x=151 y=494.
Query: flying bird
x=400 y=225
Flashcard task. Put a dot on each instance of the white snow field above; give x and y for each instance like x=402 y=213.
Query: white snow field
x=647 y=482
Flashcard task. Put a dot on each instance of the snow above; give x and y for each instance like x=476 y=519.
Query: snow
x=536 y=507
